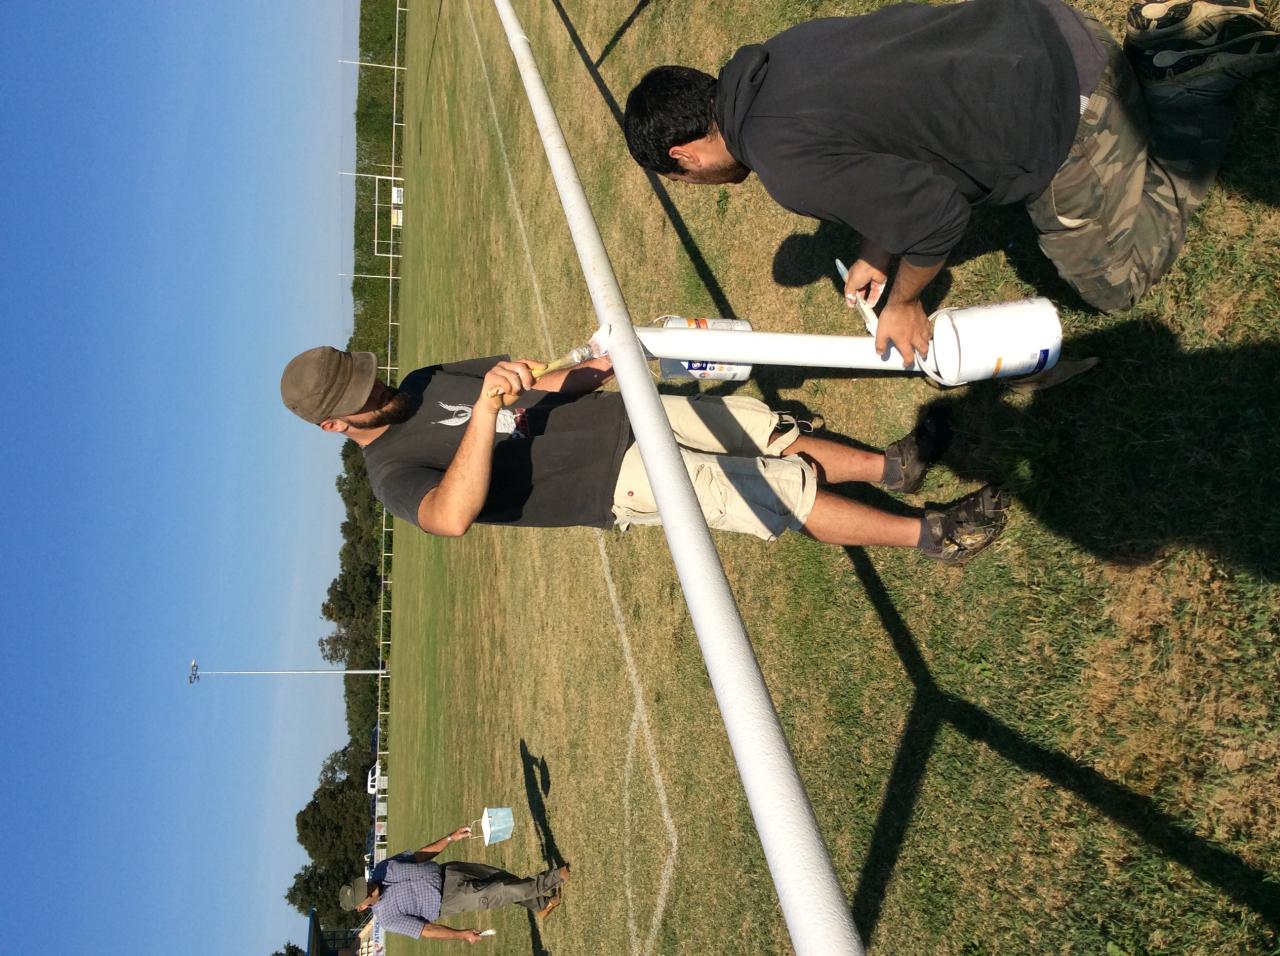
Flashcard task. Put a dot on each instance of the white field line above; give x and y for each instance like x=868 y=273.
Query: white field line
x=640 y=717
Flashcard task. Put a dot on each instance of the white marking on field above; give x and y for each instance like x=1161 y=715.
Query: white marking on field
x=640 y=720
x=640 y=716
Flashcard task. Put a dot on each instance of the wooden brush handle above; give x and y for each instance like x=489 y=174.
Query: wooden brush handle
x=564 y=361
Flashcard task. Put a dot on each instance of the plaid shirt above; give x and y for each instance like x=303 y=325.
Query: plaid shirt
x=410 y=897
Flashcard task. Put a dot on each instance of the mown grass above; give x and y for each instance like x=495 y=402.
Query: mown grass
x=1069 y=746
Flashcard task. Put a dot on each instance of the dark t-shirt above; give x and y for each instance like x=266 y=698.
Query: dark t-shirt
x=897 y=122
x=555 y=464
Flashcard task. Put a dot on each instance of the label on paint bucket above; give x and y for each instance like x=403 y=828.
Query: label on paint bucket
x=993 y=341
x=701 y=369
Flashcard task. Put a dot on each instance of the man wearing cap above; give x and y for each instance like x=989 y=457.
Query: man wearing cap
x=475 y=441
x=409 y=892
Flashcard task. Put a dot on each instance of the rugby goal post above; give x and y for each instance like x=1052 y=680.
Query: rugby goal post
x=817 y=914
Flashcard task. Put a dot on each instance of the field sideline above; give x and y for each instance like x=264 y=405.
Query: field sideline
x=1070 y=746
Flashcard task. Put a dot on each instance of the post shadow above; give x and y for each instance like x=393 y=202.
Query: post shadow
x=431 y=53
x=1159 y=447
x=933 y=707
x=537 y=784
x=622 y=29
x=705 y=275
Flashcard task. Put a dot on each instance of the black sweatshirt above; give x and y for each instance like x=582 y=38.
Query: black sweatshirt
x=894 y=123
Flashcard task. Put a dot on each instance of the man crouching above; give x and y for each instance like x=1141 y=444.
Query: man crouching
x=477 y=441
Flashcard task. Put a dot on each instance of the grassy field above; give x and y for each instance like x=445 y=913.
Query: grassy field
x=1069 y=746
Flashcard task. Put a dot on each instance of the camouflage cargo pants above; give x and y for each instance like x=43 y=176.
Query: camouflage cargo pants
x=1114 y=217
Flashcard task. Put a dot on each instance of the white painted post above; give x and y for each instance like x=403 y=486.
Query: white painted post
x=817 y=913
x=768 y=348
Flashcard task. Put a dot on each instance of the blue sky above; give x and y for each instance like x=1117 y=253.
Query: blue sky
x=174 y=229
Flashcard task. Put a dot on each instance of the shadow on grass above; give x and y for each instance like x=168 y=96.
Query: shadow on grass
x=932 y=707
x=537 y=784
x=807 y=257
x=621 y=31
x=431 y=53
x=1158 y=448
x=1249 y=168
x=699 y=262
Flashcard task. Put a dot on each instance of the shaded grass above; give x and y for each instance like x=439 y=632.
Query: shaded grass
x=1069 y=745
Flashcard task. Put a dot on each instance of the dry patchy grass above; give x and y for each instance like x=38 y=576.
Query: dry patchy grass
x=1062 y=685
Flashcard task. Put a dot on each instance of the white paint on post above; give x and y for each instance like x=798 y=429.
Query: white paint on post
x=768 y=348
x=816 y=911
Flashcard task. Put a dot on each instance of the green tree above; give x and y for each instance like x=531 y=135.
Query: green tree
x=333 y=824
x=316 y=887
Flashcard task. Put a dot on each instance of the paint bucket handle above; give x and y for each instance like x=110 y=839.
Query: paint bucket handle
x=934 y=373
x=921 y=364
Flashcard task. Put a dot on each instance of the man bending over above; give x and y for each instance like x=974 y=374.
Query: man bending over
x=476 y=441
x=898 y=122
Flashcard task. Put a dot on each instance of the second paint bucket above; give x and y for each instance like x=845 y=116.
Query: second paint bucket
x=701 y=368
x=993 y=341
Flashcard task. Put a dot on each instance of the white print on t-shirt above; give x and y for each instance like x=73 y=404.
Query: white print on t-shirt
x=511 y=421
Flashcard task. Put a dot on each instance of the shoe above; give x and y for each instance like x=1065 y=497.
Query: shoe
x=1150 y=23
x=550 y=907
x=967 y=526
x=1242 y=47
x=564 y=874
x=907 y=460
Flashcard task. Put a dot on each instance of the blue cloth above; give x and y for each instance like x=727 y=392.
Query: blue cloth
x=410 y=897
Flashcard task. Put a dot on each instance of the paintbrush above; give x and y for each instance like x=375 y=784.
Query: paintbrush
x=569 y=359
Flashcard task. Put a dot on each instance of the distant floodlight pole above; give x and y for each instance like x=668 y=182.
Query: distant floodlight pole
x=194 y=676
x=381 y=66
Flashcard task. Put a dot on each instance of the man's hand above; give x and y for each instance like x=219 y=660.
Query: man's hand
x=505 y=382
x=440 y=931
x=866 y=279
x=906 y=326
x=460 y=834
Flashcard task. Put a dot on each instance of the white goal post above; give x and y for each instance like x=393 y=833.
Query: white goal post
x=817 y=914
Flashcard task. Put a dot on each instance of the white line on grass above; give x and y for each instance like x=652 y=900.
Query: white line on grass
x=640 y=717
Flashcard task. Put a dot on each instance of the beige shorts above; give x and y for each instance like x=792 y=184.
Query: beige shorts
x=742 y=482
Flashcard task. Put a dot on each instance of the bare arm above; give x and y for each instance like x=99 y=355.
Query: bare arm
x=903 y=321
x=911 y=281
x=580 y=379
x=436 y=931
x=450 y=508
x=425 y=853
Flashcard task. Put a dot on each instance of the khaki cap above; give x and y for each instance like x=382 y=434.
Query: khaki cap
x=328 y=383
x=353 y=894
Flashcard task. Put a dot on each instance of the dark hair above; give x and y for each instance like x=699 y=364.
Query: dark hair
x=670 y=106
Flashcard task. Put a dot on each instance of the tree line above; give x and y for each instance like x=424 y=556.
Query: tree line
x=332 y=827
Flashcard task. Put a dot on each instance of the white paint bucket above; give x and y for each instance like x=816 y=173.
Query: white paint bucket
x=695 y=368
x=993 y=341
